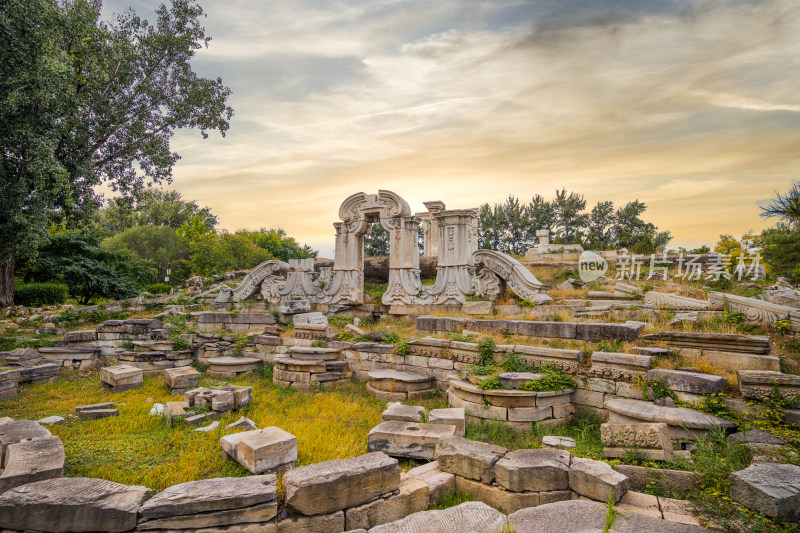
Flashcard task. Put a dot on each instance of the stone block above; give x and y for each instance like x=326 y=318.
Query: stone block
x=554 y=441
x=478 y=308
x=652 y=440
x=404 y=413
x=330 y=486
x=587 y=397
x=182 y=378
x=261 y=450
x=121 y=375
x=529 y=414
x=596 y=480
x=770 y=488
x=497 y=497
x=71 y=504
x=478 y=410
x=211 y=502
x=31 y=460
x=96 y=414
x=537 y=470
x=222 y=400
x=410 y=440
x=323 y=523
x=470 y=459
x=439 y=483
x=413 y=497
x=467 y=517
x=760 y=385
x=601 y=330
x=453 y=416
x=692 y=382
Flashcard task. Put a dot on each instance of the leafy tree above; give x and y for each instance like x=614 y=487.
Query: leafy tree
x=600 y=230
x=782 y=250
x=76 y=259
x=785 y=206
x=83 y=102
x=376 y=243
x=569 y=217
x=282 y=247
x=490 y=227
x=728 y=245
x=518 y=235
x=541 y=214
x=635 y=234
x=157 y=245
x=152 y=207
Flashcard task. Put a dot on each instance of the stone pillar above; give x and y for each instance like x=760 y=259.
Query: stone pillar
x=430 y=228
x=404 y=285
x=543 y=236
x=300 y=281
x=347 y=284
x=456 y=267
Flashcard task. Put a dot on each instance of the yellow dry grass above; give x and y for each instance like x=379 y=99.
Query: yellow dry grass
x=137 y=449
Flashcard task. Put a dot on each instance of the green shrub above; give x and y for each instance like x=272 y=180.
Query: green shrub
x=158 y=288
x=485 y=347
x=401 y=348
x=340 y=321
x=553 y=379
x=41 y=294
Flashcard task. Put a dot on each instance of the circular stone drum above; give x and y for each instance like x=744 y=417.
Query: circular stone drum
x=399 y=386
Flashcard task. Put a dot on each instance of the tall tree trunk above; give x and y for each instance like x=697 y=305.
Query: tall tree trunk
x=7 y=282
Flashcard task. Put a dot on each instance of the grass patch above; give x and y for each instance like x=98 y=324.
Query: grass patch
x=585 y=429
x=137 y=449
x=451 y=499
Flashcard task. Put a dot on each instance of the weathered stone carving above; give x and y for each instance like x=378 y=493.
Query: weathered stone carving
x=487 y=285
x=452 y=235
x=753 y=310
x=652 y=440
x=673 y=301
x=252 y=281
x=456 y=267
x=518 y=278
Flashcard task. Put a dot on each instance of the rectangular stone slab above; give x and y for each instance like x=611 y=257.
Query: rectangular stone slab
x=32 y=460
x=412 y=440
x=207 y=495
x=71 y=504
x=334 y=485
x=261 y=450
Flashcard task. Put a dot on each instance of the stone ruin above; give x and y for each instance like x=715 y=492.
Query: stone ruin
x=451 y=235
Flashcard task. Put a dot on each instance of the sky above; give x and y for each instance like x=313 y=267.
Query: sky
x=692 y=107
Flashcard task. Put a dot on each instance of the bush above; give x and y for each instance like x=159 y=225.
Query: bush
x=158 y=288
x=41 y=294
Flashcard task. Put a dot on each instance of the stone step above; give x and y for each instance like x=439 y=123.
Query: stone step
x=683 y=422
x=71 y=504
x=410 y=440
x=757 y=344
x=308 y=353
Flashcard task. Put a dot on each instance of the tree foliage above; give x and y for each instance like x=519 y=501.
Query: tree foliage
x=76 y=259
x=785 y=206
x=210 y=252
x=152 y=207
x=511 y=226
x=376 y=243
x=782 y=251
x=83 y=102
x=158 y=245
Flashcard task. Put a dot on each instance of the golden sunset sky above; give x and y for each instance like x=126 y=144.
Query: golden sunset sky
x=692 y=107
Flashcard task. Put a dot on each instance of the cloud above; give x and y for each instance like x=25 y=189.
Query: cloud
x=690 y=106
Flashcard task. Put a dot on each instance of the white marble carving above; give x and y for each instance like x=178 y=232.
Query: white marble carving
x=673 y=301
x=752 y=309
x=518 y=278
